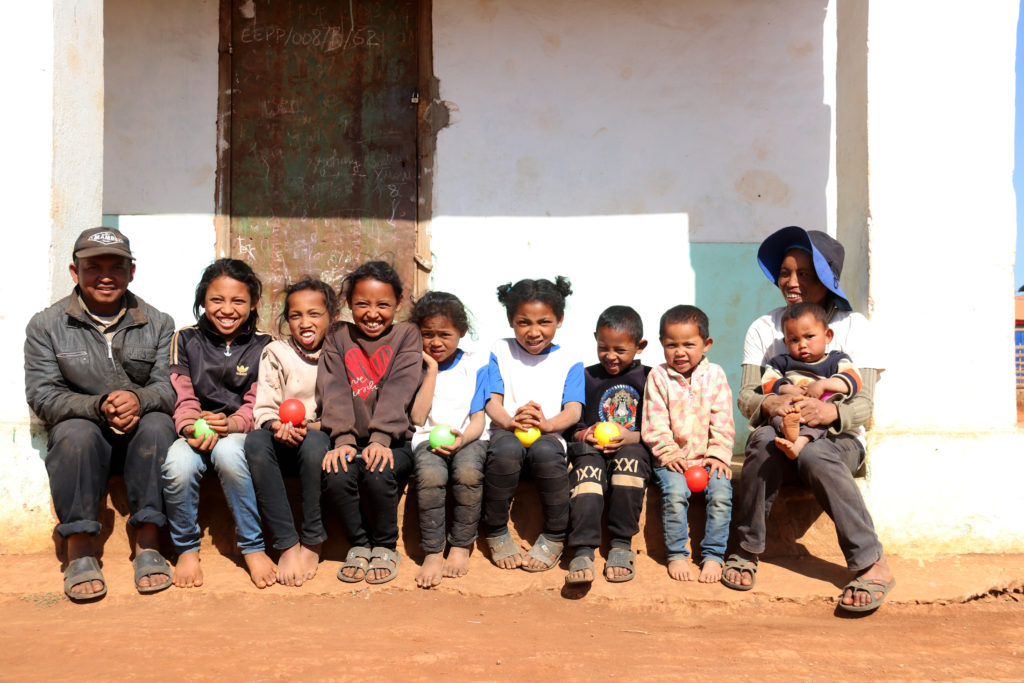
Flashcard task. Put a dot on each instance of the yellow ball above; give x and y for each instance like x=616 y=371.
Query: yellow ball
x=528 y=437
x=604 y=432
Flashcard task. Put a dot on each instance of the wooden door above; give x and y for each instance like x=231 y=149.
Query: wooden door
x=323 y=153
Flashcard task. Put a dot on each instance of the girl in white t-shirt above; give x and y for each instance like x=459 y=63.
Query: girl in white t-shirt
x=449 y=416
x=536 y=393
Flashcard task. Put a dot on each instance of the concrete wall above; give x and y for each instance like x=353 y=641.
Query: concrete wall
x=160 y=155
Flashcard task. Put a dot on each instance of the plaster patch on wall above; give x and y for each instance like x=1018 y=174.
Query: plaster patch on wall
x=486 y=10
x=800 y=50
x=660 y=182
x=248 y=10
x=762 y=186
x=549 y=120
x=551 y=43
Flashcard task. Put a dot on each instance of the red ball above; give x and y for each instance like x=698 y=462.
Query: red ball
x=292 y=411
x=696 y=478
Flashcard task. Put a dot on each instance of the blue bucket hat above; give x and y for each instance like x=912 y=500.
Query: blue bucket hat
x=826 y=254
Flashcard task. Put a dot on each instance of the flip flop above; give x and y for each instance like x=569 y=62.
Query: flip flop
x=502 y=547
x=740 y=564
x=621 y=557
x=869 y=586
x=580 y=563
x=384 y=558
x=546 y=551
x=148 y=563
x=358 y=558
x=79 y=571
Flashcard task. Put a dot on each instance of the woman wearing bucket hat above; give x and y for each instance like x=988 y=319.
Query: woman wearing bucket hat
x=806 y=265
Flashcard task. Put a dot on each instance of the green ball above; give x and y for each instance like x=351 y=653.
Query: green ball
x=441 y=436
x=201 y=430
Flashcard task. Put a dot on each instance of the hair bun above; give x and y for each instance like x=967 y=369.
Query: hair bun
x=563 y=285
x=503 y=291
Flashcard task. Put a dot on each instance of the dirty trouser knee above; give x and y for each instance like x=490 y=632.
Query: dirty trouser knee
x=503 y=466
x=465 y=471
x=467 y=480
x=546 y=458
x=381 y=489
x=827 y=467
x=265 y=458
x=431 y=493
x=586 y=499
x=630 y=471
x=79 y=458
x=345 y=489
x=78 y=464
x=828 y=470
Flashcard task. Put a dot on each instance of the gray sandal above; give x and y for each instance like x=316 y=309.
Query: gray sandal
x=546 y=551
x=387 y=559
x=358 y=558
x=740 y=564
x=621 y=558
x=869 y=586
x=83 y=570
x=580 y=563
x=149 y=563
x=502 y=547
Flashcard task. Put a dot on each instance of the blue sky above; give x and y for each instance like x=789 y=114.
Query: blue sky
x=1018 y=155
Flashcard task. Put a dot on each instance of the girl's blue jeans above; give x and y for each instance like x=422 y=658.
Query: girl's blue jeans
x=182 y=471
x=675 y=501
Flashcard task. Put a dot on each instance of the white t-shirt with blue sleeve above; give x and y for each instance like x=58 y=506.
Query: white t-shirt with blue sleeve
x=460 y=391
x=550 y=379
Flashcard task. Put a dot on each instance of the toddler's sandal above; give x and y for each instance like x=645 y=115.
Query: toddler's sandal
x=580 y=563
x=386 y=559
x=544 y=550
x=358 y=558
x=623 y=559
x=502 y=547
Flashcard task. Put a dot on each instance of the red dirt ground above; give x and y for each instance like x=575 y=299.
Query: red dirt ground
x=512 y=626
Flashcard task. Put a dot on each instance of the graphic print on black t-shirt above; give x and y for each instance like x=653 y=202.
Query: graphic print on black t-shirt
x=619 y=404
x=364 y=372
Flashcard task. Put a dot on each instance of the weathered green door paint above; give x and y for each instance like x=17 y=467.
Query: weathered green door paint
x=323 y=138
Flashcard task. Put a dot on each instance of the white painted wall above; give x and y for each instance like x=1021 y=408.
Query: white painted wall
x=945 y=452
x=599 y=140
x=161 y=145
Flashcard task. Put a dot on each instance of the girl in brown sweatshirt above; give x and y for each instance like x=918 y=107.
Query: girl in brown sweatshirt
x=367 y=378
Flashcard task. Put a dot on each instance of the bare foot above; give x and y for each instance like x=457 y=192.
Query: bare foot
x=680 y=570
x=879 y=571
x=290 y=571
x=457 y=564
x=738 y=577
x=187 y=572
x=791 y=425
x=710 y=572
x=430 y=573
x=148 y=538
x=787 y=447
x=80 y=545
x=309 y=558
x=262 y=569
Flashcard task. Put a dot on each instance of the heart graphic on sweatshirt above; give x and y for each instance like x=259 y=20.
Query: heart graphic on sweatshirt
x=365 y=371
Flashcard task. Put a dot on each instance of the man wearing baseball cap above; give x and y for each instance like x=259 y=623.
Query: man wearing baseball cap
x=96 y=372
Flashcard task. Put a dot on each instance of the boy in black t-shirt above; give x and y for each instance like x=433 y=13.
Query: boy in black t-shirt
x=614 y=391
